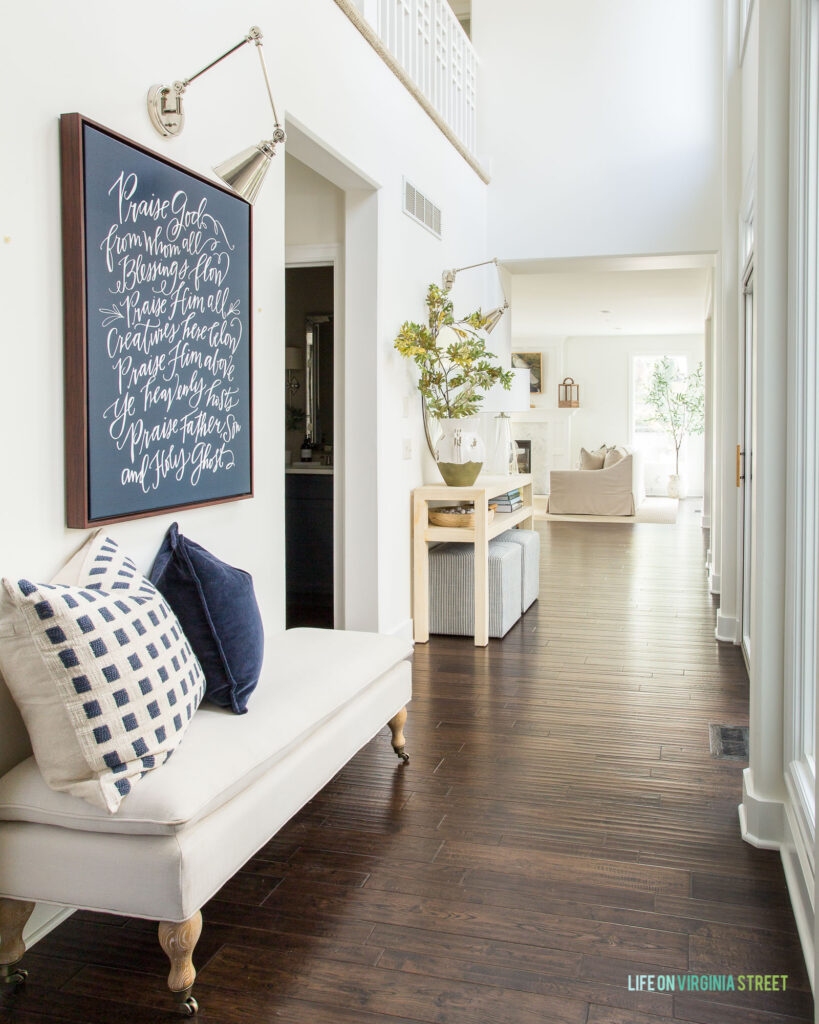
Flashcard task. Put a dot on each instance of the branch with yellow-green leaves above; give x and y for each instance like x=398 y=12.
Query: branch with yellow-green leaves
x=453 y=378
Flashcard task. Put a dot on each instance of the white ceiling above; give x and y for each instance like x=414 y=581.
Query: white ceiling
x=611 y=302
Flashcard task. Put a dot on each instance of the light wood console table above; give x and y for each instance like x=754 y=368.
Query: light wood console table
x=484 y=489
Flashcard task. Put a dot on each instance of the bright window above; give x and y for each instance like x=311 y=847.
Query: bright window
x=647 y=436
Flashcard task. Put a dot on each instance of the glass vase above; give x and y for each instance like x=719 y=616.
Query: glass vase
x=459 y=451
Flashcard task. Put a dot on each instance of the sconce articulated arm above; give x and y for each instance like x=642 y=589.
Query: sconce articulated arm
x=493 y=317
x=450 y=275
x=165 y=103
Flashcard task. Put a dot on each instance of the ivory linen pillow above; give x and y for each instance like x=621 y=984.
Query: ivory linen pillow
x=592 y=460
x=613 y=456
x=101 y=671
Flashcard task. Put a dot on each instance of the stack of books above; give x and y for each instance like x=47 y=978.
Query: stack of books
x=511 y=501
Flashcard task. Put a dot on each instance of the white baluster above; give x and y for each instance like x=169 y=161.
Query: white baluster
x=427 y=40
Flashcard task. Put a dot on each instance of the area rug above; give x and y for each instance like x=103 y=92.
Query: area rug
x=653 y=510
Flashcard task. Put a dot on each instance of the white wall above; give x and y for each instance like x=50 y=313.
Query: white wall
x=314 y=207
x=350 y=103
x=602 y=367
x=600 y=125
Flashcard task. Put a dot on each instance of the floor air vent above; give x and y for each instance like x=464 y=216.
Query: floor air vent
x=417 y=206
x=729 y=742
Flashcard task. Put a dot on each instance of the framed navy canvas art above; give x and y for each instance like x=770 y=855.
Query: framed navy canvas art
x=157 y=295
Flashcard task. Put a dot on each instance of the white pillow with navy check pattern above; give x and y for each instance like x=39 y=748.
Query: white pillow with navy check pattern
x=102 y=673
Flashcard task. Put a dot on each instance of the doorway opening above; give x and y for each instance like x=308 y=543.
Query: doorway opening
x=332 y=221
x=309 y=436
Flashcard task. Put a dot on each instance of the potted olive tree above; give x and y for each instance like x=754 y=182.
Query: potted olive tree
x=677 y=402
x=454 y=373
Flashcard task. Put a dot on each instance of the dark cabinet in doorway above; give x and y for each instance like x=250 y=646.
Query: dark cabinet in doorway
x=309 y=548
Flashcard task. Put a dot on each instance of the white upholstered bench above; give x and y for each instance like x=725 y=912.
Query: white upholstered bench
x=190 y=825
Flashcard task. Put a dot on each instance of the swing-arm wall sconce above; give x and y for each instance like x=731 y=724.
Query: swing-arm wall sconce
x=494 y=315
x=245 y=172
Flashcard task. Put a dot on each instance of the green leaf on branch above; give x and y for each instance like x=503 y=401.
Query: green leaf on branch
x=453 y=380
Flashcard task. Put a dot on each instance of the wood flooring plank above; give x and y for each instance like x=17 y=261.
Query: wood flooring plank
x=148 y=999
x=770 y=918
x=703 y=1010
x=556 y=867
x=613 y=1015
x=519 y=978
x=390 y=991
x=490 y=952
x=452 y=916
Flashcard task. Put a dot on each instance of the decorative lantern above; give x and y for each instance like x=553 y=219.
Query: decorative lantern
x=568 y=394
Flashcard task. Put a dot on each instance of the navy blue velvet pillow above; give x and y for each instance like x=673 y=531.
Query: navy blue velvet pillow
x=216 y=606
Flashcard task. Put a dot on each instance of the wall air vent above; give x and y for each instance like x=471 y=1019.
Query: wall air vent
x=417 y=206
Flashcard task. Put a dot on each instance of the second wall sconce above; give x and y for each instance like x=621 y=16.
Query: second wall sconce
x=245 y=172
x=494 y=315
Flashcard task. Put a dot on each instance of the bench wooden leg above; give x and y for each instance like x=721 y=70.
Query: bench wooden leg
x=178 y=939
x=13 y=917
x=396 y=725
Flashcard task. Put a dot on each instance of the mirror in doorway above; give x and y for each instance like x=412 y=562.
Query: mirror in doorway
x=310 y=406
x=318 y=368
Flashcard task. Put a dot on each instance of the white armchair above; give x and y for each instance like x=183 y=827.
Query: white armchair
x=614 y=491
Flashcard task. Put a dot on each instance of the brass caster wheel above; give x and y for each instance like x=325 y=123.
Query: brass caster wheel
x=185 y=1003
x=399 y=751
x=14 y=975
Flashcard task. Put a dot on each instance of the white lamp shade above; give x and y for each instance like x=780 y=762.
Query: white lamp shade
x=293 y=358
x=516 y=399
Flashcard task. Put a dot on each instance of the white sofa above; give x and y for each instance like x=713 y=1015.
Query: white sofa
x=191 y=824
x=616 y=491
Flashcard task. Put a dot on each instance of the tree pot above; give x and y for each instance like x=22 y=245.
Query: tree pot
x=676 y=486
x=459 y=452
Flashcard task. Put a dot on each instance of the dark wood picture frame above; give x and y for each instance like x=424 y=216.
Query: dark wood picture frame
x=78 y=440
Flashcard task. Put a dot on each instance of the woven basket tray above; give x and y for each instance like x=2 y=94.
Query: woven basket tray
x=449 y=517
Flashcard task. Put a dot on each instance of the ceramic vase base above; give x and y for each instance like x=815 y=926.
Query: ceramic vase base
x=676 y=486
x=459 y=474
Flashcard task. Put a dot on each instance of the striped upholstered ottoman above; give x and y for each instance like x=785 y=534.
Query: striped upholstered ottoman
x=529 y=541
x=452 y=588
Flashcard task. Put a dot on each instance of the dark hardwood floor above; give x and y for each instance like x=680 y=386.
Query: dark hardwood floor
x=561 y=828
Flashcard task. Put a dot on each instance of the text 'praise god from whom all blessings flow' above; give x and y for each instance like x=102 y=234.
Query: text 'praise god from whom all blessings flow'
x=168 y=333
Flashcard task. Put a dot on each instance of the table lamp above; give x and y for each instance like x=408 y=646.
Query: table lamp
x=501 y=460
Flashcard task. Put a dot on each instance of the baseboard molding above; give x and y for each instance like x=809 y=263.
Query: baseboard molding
x=45 y=919
x=714 y=582
x=726 y=628
x=761 y=819
x=402 y=630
